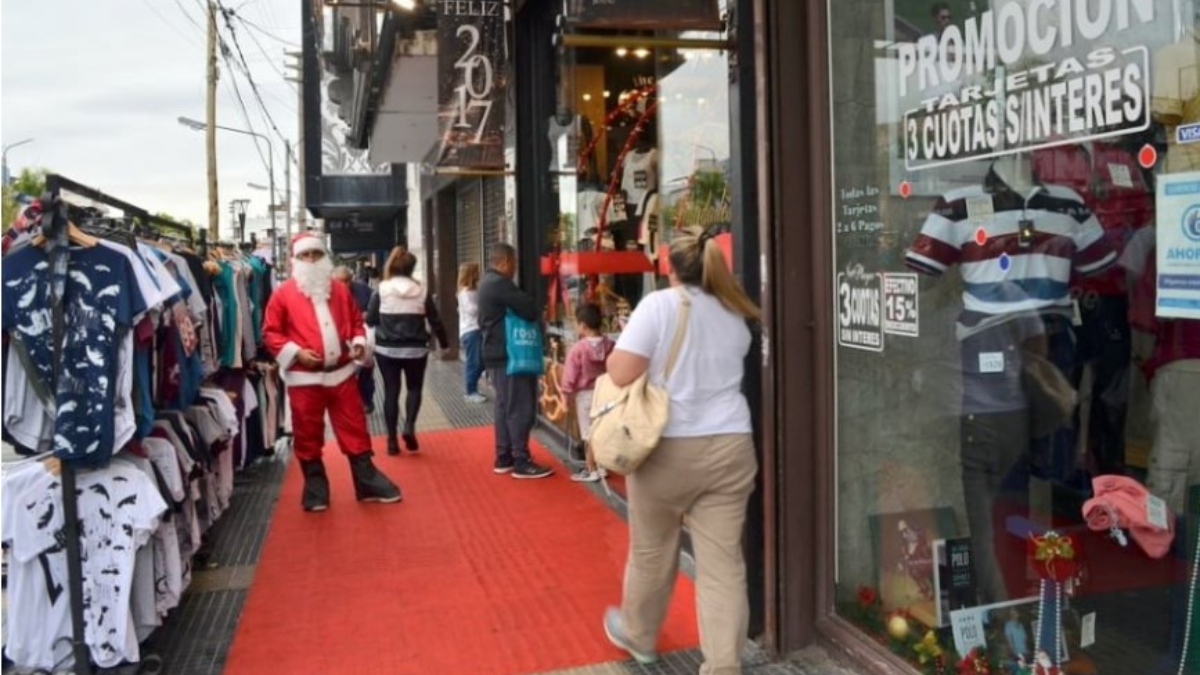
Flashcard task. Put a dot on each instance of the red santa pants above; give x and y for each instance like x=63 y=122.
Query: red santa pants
x=309 y=404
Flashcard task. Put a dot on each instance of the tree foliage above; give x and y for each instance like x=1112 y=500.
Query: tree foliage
x=31 y=183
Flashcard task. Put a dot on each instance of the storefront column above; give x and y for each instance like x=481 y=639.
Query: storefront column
x=791 y=42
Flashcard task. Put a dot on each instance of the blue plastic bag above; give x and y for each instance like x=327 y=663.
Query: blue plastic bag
x=523 y=340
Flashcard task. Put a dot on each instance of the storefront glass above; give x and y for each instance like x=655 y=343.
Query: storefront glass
x=640 y=142
x=1017 y=244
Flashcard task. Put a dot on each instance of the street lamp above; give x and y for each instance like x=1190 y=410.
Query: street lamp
x=197 y=125
x=4 y=159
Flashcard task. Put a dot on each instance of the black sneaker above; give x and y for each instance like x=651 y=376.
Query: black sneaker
x=531 y=470
x=503 y=466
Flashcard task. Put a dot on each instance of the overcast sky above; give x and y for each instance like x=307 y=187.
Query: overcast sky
x=99 y=84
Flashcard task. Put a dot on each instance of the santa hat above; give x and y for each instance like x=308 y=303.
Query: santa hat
x=306 y=241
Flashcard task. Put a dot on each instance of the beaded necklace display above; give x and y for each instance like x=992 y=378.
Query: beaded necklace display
x=1191 y=608
x=1059 y=650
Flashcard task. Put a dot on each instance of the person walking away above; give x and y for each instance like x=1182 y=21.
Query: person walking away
x=702 y=472
x=469 y=335
x=314 y=330
x=515 y=395
x=402 y=312
x=366 y=369
x=584 y=364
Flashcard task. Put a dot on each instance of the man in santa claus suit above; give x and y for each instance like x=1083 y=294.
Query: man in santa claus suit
x=315 y=330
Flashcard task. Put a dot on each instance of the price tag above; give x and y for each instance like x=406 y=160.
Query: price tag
x=1120 y=175
x=991 y=362
x=1156 y=512
x=1087 y=631
x=980 y=208
x=967 y=625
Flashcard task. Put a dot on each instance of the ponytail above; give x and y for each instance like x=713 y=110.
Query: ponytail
x=698 y=260
x=394 y=263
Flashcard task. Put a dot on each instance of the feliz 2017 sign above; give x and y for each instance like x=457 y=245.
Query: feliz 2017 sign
x=1025 y=76
x=472 y=78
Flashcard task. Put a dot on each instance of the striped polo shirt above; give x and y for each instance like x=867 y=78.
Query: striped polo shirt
x=999 y=275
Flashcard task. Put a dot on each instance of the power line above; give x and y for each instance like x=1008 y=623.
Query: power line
x=170 y=25
x=249 y=78
x=259 y=29
x=270 y=60
x=242 y=105
x=188 y=16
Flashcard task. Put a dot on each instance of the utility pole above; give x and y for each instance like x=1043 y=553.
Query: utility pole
x=214 y=208
x=287 y=189
x=299 y=81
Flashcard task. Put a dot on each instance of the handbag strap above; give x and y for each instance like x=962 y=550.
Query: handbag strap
x=685 y=309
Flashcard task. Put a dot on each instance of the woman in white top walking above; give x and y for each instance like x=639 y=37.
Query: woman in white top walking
x=469 y=335
x=702 y=472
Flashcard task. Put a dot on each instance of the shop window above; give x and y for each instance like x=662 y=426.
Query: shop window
x=1016 y=200
x=640 y=147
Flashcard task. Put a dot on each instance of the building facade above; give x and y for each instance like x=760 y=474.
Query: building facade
x=972 y=226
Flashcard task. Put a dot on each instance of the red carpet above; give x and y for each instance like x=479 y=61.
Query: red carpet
x=473 y=574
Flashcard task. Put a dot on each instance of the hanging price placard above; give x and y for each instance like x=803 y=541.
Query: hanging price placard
x=472 y=77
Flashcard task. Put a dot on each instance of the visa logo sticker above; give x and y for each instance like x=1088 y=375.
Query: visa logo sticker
x=1187 y=133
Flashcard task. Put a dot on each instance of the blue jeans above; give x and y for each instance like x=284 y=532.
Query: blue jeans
x=472 y=343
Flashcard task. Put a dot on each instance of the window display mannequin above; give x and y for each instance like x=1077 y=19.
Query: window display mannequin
x=1114 y=188
x=1017 y=242
x=639 y=175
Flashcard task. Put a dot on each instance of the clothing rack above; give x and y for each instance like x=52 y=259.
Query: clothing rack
x=55 y=229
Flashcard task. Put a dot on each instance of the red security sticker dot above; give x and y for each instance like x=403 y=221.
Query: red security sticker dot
x=981 y=236
x=1148 y=156
x=905 y=189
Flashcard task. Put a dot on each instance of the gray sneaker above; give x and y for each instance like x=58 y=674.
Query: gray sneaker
x=614 y=628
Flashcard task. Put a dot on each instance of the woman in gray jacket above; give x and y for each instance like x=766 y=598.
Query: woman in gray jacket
x=401 y=312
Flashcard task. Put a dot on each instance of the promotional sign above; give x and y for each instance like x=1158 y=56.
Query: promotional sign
x=860 y=309
x=472 y=79
x=900 y=293
x=1026 y=75
x=1178 y=246
x=658 y=15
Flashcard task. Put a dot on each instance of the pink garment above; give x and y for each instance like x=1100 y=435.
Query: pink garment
x=585 y=364
x=1122 y=502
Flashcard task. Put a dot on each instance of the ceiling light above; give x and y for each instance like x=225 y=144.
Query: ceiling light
x=621 y=51
x=587 y=97
x=407 y=5
x=641 y=52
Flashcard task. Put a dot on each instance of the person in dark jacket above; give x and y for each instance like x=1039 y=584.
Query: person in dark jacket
x=366 y=370
x=516 y=395
x=402 y=313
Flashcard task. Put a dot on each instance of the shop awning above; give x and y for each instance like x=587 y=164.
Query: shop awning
x=406 y=124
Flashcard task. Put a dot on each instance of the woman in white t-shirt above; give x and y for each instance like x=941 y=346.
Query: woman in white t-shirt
x=469 y=335
x=703 y=470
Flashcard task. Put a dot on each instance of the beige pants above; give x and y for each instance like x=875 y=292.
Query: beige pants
x=705 y=483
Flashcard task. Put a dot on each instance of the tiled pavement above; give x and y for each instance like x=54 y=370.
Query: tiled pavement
x=196 y=637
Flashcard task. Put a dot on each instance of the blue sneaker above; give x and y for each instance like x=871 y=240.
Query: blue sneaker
x=615 y=630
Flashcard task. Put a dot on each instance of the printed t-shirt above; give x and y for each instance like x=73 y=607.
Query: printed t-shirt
x=101 y=299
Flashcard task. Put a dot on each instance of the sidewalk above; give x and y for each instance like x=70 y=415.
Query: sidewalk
x=196 y=638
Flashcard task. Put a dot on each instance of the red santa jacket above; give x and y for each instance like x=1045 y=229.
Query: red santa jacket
x=295 y=322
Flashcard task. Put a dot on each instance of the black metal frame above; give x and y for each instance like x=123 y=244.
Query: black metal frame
x=55 y=186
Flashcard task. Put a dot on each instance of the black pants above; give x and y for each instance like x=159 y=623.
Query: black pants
x=515 y=414
x=414 y=376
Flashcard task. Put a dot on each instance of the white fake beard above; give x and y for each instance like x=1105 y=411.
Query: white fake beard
x=315 y=279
